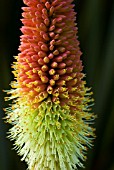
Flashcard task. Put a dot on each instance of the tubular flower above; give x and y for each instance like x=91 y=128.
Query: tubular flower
x=50 y=113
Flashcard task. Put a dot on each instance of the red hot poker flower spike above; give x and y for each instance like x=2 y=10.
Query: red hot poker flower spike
x=50 y=114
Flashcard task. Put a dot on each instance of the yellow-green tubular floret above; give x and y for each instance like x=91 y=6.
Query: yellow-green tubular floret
x=50 y=137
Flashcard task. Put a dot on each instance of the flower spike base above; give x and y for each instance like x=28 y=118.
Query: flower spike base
x=50 y=114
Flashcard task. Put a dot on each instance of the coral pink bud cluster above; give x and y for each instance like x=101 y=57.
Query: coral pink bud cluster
x=49 y=59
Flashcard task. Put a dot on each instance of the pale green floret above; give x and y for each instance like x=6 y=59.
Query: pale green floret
x=49 y=138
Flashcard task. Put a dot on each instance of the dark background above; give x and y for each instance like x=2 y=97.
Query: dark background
x=96 y=35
